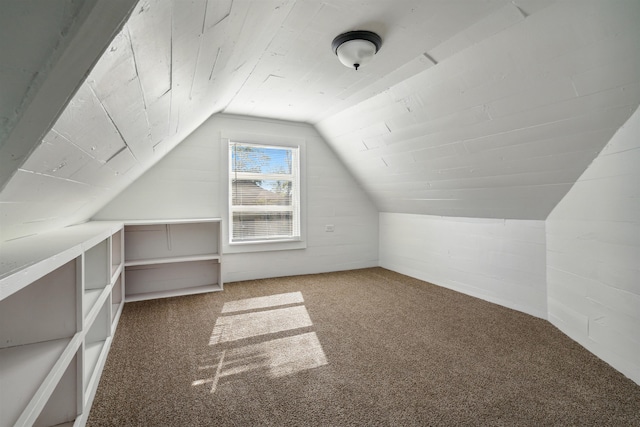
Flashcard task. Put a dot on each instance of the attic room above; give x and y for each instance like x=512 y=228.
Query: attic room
x=207 y=219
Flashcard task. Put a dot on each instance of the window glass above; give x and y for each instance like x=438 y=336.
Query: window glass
x=264 y=193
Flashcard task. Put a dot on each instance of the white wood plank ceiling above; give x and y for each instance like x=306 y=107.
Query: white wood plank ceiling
x=46 y=49
x=503 y=127
x=471 y=108
x=22 y=64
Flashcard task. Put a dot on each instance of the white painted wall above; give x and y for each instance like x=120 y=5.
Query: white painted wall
x=502 y=261
x=188 y=183
x=593 y=255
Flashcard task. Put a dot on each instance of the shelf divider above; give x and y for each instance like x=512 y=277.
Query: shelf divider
x=173 y=293
x=168 y=260
x=34 y=371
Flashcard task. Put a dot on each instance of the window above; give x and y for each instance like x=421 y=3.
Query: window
x=264 y=193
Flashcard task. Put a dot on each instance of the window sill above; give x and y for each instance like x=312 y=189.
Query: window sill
x=264 y=246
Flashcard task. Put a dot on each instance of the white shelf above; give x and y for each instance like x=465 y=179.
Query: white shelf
x=31 y=372
x=117 y=247
x=26 y=260
x=168 y=260
x=55 y=291
x=97 y=305
x=92 y=354
x=173 y=293
x=145 y=242
x=97 y=338
x=169 y=221
x=151 y=279
x=116 y=310
x=116 y=270
x=89 y=300
x=76 y=281
x=97 y=270
x=96 y=356
x=54 y=297
x=64 y=404
x=117 y=300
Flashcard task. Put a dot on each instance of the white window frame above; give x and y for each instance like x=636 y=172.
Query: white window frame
x=262 y=141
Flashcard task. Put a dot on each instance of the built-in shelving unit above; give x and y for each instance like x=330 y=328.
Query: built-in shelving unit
x=117 y=300
x=165 y=258
x=117 y=276
x=117 y=248
x=96 y=346
x=61 y=296
x=56 y=301
x=64 y=404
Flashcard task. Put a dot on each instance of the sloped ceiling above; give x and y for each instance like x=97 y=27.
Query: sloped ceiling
x=505 y=126
x=471 y=108
x=47 y=49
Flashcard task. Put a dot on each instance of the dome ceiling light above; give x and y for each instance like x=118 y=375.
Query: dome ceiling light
x=356 y=48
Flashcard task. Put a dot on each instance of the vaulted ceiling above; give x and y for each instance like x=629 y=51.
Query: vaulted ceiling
x=471 y=108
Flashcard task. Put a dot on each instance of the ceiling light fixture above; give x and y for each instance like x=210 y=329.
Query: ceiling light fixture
x=356 y=48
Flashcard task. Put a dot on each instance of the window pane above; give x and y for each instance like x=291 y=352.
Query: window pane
x=247 y=158
x=265 y=192
x=262 y=225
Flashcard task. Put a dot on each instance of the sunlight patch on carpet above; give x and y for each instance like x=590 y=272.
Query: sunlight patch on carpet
x=249 y=325
x=263 y=302
x=271 y=356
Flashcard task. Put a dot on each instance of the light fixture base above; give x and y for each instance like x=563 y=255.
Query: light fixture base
x=355 y=48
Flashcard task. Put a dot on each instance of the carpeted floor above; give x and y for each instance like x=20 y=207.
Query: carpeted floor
x=367 y=347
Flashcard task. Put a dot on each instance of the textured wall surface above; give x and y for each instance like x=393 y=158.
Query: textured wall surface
x=593 y=255
x=189 y=183
x=501 y=261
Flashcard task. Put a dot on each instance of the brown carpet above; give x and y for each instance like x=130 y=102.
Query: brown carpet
x=367 y=347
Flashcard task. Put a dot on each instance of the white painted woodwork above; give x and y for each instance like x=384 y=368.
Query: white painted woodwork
x=97 y=269
x=502 y=261
x=53 y=297
x=188 y=183
x=94 y=342
x=31 y=372
x=47 y=48
x=176 y=63
x=166 y=241
x=473 y=109
x=165 y=258
x=23 y=64
x=64 y=404
x=503 y=127
x=117 y=249
x=593 y=255
x=117 y=299
x=56 y=292
x=172 y=279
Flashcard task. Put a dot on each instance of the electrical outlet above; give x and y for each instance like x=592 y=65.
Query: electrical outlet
x=329 y=228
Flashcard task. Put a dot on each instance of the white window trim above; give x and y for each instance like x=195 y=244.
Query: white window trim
x=268 y=140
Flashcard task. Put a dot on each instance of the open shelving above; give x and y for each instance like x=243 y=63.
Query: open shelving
x=61 y=296
x=65 y=403
x=171 y=258
x=30 y=349
x=55 y=295
x=32 y=372
x=117 y=247
x=117 y=300
x=172 y=279
x=97 y=276
x=95 y=345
